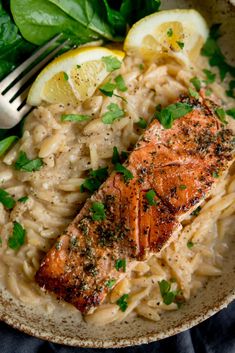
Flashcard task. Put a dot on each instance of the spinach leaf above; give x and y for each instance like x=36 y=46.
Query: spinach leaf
x=88 y=14
x=13 y=48
x=40 y=20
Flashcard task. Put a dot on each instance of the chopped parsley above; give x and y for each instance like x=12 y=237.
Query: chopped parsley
x=114 y=112
x=112 y=63
x=122 y=303
x=193 y=93
x=196 y=212
x=78 y=66
x=107 y=89
x=221 y=115
x=120 y=83
x=17 y=239
x=190 y=244
x=110 y=283
x=118 y=158
x=74 y=117
x=66 y=77
x=95 y=179
x=180 y=44
x=168 y=296
x=27 y=165
x=127 y=175
x=210 y=77
x=196 y=82
x=6 y=199
x=169 y=32
x=23 y=199
x=115 y=158
x=215 y=175
x=231 y=112
x=142 y=123
x=212 y=50
x=172 y=112
x=230 y=91
x=150 y=197
x=6 y=143
x=120 y=264
x=208 y=92
x=141 y=67
x=183 y=187
x=98 y=211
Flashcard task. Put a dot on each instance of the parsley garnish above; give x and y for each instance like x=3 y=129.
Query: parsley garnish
x=127 y=175
x=208 y=92
x=121 y=86
x=212 y=50
x=210 y=76
x=166 y=293
x=112 y=63
x=27 y=165
x=6 y=199
x=193 y=93
x=110 y=283
x=174 y=111
x=18 y=236
x=74 y=117
x=215 y=175
x=142 y=123
x=190 y=244
x=196 y=212
x=78 y=66
x=180 y=44
x=221 y=115
x=230 y=92
x=6 y=143
x=114 y=112
x=183 y=187
x=66 y=77
x=23 y=199
x=107 y=89
x=115 y=158
x=96 y=178
x=120 y=264
x=98 y=211
x=169 y=32
x=196 y=82
x=141 y=67
x=118 y=158
x=122 y=303
x=150 y=195
x=231 y=112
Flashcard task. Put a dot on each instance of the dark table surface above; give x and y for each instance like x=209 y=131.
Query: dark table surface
x=215 y=335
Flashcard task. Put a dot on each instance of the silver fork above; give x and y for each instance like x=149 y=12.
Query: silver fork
x=15 y=87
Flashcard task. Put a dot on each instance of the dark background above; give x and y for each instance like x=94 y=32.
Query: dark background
x=215 y=335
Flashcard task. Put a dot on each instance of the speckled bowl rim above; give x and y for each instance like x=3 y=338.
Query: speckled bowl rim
x=118 y=342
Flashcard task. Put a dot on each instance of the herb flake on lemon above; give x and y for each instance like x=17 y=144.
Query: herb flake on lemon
x=74 y=76
x=177 y=33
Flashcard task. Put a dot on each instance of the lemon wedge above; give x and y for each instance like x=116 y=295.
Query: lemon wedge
x=177 y=33
x=74 y=76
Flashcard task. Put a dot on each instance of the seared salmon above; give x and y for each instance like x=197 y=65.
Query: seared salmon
x=169 y=174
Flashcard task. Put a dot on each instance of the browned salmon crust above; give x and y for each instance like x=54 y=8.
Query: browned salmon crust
x=180 y=164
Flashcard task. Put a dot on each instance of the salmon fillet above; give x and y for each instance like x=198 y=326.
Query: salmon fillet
x=179 y=166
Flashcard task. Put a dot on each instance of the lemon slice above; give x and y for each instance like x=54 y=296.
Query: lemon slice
x=178 y=33
x=74 y=76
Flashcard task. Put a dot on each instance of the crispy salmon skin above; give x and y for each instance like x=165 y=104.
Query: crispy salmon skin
x=169 y=173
